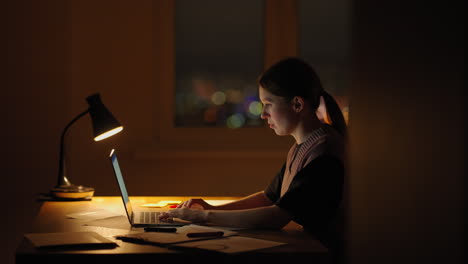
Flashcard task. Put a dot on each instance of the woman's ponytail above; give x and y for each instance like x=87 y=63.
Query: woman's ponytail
x=294 y=77
x=334 y=113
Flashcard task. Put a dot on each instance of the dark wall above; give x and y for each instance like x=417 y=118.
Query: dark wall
x=34 y=109
x=408 y=133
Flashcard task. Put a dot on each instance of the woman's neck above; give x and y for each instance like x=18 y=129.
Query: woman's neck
x=305 y=128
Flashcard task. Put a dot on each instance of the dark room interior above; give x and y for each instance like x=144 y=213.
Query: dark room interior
x=404 y=75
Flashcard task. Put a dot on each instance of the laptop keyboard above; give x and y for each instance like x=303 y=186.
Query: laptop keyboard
x=149 y=217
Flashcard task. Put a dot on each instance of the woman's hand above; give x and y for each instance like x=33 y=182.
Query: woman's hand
x=196 y=204
x=192 y=215
x=191 y=210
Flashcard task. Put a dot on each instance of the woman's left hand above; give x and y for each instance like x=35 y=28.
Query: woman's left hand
x=184 y=213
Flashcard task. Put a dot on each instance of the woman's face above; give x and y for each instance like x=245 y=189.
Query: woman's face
x=278 y=112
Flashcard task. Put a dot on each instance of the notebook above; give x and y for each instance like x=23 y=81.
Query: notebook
x=143 y=218
x=70 y=240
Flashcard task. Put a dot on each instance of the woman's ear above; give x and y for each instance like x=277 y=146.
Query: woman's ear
x=298 y=104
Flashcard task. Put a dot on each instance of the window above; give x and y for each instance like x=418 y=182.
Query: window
x=218 y=56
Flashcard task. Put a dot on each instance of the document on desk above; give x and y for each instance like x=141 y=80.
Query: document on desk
x=229 y=245
x=118 y=222
x=93 y=215
x=70 y=240
x=180 y=236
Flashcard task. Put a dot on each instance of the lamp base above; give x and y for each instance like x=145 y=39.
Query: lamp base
x=72 y=193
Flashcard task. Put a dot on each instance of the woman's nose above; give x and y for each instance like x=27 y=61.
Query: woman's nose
x=263 y=114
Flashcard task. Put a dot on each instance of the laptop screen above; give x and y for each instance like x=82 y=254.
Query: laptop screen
x=120 y=181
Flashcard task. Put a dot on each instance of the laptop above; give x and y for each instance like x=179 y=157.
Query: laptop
x=143 y=218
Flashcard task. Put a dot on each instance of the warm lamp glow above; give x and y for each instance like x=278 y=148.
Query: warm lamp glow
x=104 y=125
x=108 y=133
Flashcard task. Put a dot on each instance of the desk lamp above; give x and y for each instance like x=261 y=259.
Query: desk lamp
x=104 y=126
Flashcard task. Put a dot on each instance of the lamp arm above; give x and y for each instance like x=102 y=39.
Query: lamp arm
x=62 y=179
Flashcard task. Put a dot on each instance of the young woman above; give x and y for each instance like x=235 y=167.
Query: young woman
x=308 y=189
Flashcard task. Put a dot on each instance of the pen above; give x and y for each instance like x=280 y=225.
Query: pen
x=206 y=234
x=161 y=229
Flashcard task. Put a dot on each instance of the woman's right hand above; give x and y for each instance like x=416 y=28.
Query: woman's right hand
x=196 y=203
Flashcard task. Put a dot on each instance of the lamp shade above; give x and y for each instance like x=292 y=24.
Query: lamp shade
x=104 y=123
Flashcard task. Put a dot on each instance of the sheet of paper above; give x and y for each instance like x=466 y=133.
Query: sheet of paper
x=119 y=222
x=162 y=238
x=43 y=240
x=161 y=204
x=93 y=215
x=234 y=244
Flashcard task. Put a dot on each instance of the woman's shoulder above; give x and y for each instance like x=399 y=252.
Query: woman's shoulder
x=332 y=133
x=324 y=141
x=324 y=133
x=334 y=143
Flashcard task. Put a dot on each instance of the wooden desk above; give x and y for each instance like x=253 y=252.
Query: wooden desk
x=52 y=218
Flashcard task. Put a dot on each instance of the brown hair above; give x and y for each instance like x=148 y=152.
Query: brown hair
x=294 y=77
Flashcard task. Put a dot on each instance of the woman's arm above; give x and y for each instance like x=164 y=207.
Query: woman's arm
x=270 y=217
x=258 y=199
